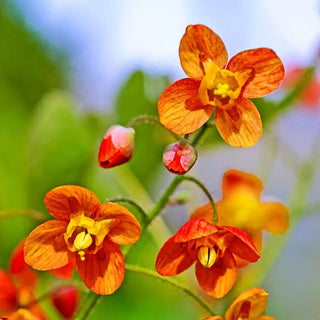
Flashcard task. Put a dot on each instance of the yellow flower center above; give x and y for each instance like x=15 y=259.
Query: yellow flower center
x=207 y=256
x=220 y=87
x=83 y=232
x=243 y=210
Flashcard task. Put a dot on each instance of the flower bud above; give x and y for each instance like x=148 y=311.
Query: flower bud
x=116 y=147
x=65 y=300
x=179 y=157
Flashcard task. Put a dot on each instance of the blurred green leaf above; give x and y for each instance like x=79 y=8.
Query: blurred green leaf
x=139 y=96
x=58 y=146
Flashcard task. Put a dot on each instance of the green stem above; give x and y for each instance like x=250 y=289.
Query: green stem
x=189 y=292
x=195 y=140
x=163 y=200
x=23 y=212
x=143 y=214
x=91 y=304
x=145 y=119
x=205 y=190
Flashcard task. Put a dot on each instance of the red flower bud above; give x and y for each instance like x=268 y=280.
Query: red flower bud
x=179 y=157
x=65 y=300
x=116 y=147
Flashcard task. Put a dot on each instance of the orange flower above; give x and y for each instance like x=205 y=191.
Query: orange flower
x=213 y=248
x=241 y=207
x=86 y=231
x=18 y=302
x=188 y=103
x=249 y=305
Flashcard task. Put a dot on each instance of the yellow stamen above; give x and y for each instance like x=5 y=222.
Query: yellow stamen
x=207 y=256
x=82 y=255
x=222 y=90
x=82 y=241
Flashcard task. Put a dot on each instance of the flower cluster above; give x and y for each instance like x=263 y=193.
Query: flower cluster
x=219 y=238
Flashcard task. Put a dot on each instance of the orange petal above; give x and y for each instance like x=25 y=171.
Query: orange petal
x=214 y=318
x=240 y=126
x=173 y=258
x=179 y=108
x=195 y=229
x=205 y=212
x=45 y=247
x=250 y=304
x=234 y=179
x=268 y=70
x=241 y=245
x=199 y=45
x=127 y=230
x=256 y=238
x=21 y=271
x=62 y=201
x=24 y=314
x=219 y=279
x=64 y=272
x=277 y=217
x=266 y=318
x=7 y=293
x=103 y=272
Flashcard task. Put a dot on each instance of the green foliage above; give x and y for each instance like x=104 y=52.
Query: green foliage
x=139 y=96
x=58 y=147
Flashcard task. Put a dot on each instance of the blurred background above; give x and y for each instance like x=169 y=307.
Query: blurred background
x=70 y=69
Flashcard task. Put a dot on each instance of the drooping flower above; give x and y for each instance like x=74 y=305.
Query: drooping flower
x=179 y=157
x=188 y=103
x=86 y=231
x=249 y=305
x=116 y=147
x=241 y=207
x=213 y=248
x=65 y=299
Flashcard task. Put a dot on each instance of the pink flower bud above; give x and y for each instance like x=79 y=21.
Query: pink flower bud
x=179 y=157
x=116 y=147
x=65 y=300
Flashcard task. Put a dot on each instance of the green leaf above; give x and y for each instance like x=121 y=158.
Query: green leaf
x=139 y=96
x=58 y=146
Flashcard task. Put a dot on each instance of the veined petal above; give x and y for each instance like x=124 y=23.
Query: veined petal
x=45 y=247
x=173 y=258
x=240 y=126
x=180 y=110
x=194 y=229
x=103 y=272
x=204 y=212
x=21 y=271
x=235 y=179
x=277 y=217
x=64 y=200
x=256 y=300
x=241 y=245
x=199 y=45
x=268 y=70
x=7 y=293
x=127 y=231
x=219 y=279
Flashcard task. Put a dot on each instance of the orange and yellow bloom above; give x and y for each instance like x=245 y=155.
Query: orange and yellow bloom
x=249 y=305
x=17 y=300
x=86 y=231
x=241 y=207
x=188 y=103
x=213 y=248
